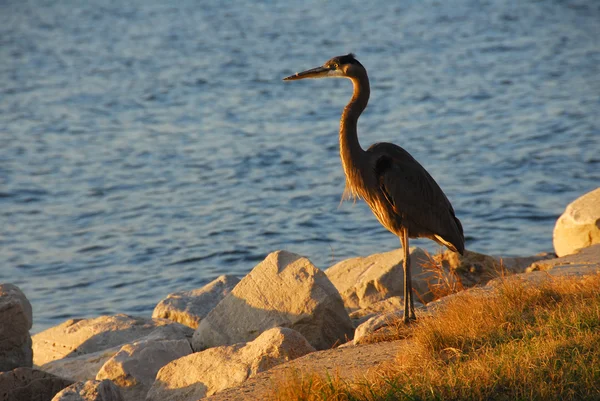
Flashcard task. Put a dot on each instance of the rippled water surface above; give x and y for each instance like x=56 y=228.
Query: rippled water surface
x=146 y=148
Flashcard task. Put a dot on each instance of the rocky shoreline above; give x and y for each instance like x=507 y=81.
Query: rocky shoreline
x=228 y=338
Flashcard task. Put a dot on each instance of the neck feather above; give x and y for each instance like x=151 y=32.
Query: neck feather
x=350 y=150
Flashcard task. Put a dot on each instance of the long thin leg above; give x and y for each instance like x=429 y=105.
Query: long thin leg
x=409 y=306
x=410 y=292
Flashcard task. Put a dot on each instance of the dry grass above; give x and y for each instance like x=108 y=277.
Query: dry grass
x=440 y=281
x=525 y=343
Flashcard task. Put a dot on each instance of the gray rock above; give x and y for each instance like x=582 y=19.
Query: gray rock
x=90 y=390
x=15 y=340
x=190 y=307
x=204 y=373
x=26 y=384
x=284 y=290
x=85 y=336
x=11 y=294
x=579 y=226
x=135 y=366
x=520 y=264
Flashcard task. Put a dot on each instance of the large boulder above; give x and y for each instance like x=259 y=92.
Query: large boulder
x=30 y=384
x=90 y=390
x=284 y=290
x=135 y=366
x=86 y=366
x=363 y=281
x=16 y=320
x=579 y=225
x=84 y=336
x=204 y=373
x=189 y=307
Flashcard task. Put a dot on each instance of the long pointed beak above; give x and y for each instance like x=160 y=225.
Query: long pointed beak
x=319 y=72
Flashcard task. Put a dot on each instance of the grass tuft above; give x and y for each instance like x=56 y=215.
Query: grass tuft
x=440 y=280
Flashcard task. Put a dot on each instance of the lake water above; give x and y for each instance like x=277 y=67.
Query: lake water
x=147 y=148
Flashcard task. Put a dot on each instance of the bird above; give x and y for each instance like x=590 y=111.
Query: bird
x=402 y=195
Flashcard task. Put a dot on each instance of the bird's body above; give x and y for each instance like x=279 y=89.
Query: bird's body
x=405 y=189
x=401 y=193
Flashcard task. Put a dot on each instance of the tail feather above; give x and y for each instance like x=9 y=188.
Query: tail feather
x=455 y=241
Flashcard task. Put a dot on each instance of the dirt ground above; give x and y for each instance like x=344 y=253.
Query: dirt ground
x=347 y=362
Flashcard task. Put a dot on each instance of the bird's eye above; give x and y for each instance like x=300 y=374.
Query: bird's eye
x=335 y=66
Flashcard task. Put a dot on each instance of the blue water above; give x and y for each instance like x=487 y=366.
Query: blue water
x=146 y=148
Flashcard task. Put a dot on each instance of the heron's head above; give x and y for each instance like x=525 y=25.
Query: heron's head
x=338 y=67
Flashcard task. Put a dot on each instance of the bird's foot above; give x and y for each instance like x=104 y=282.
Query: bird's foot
x=408 y=319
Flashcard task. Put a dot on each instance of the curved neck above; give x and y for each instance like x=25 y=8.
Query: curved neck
x=350 y=150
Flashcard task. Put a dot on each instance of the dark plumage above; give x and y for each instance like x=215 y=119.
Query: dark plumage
x=410 y=192
x=347 y=59
x=401 y=193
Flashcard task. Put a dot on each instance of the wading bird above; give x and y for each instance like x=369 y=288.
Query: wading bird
x=403 y=196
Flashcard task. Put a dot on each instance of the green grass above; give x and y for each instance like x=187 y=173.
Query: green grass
x=525 y=343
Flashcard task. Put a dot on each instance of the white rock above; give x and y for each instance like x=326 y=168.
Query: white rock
x=579 y=226
x=363 y=281
x=189 y=307
x=15 y=322
x=90 y=390
x=284 y=290
x=134 y=367
x=204 y=373
x=82 y=367
x=86 y=367
x=85 y=336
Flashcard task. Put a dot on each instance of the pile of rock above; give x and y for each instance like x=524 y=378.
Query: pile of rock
x=283 y=309
x=203 y=341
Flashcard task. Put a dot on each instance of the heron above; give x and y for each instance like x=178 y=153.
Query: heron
x=401 y=193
